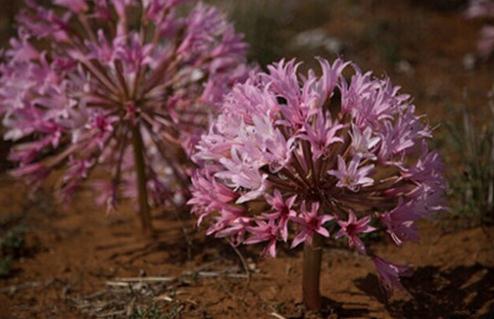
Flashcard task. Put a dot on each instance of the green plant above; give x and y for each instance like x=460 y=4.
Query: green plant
x=381 y=37
x=5 y=267
x=12 y=246
x=472 y=186
x=260 y=21
x=269 y=26
x=13 y=243
x=147 y=312
x=153 y=312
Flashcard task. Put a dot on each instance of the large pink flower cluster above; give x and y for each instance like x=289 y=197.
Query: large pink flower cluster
x=317 y=156
x=85 y=80
x=483 y=9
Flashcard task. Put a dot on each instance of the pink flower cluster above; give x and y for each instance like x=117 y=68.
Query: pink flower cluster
x=483 y=9
x=83 y=74
x=317 y=155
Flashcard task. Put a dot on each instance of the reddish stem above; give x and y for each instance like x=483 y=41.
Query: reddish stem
x=140 y=167
x=311 y=273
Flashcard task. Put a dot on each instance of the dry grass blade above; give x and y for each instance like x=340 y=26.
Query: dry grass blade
x=14 y=288
x=145 y=279
x=242 y=260
x=277 y=315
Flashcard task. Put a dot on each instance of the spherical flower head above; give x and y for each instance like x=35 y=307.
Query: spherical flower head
x=83 y=77
x=306 y=153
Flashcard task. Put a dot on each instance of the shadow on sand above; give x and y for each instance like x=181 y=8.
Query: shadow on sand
x=462 y=292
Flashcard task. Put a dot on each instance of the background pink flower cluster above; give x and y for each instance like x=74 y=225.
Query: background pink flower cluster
x=81 y=74
x=483 y=9
x=293 y=156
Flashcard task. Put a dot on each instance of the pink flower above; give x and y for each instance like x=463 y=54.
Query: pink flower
x=400 y=137
x=241 y=172
x=483 y=9
x=427 y=169
x=209 y=196
x=264 y=232
x=283 y=79
x=480 y=8
x=99 y=80
x=351 y=228
x=282 y=211
x=389 y=274
x=363 y=143
x=329 y=80
x=354 y=147
x=321 y=134
x=22 y=50
x=311 y=222
x=352 y=176
x=400 y=223
x=230 y=223
x=275 y=149
x=485 y=45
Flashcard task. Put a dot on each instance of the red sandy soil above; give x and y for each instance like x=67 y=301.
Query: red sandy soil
x=77 y=256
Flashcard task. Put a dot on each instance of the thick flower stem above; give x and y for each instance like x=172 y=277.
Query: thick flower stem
x=140 y=167
x=311 y=273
